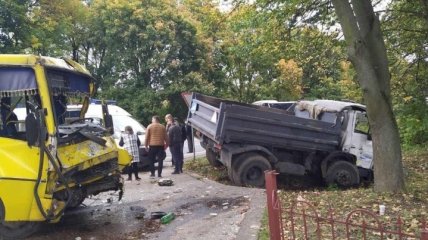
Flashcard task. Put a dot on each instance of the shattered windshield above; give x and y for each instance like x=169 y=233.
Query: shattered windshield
x=68 y=88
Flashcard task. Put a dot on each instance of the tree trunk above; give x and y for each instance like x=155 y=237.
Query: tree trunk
x=367 y=52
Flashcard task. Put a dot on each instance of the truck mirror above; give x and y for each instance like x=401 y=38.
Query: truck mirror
x=32 y=129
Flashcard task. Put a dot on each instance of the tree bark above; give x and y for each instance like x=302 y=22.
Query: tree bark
x=367 y=52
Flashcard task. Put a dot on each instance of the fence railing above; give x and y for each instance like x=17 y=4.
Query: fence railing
x=302 y=220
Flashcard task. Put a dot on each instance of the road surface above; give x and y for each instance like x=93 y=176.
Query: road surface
x=204 y=209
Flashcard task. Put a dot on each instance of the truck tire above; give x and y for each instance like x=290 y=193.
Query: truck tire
x=250 y=171
x=342 y=173
x=212 y=158
x=233 y=170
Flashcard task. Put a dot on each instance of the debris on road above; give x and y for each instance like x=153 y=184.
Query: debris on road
x=165 y=182
x=157 y=215
x=167 y=218
x=139 y=212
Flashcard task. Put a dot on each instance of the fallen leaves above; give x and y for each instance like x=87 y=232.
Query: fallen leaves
x=411 y=206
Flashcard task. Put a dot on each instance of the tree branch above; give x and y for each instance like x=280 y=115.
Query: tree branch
x=348 y=21
x=365 y=16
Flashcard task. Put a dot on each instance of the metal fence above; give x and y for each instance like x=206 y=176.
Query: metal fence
x=302 y=220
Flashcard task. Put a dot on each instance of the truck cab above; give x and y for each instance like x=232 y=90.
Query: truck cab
x=355 y=134
x=55 y=164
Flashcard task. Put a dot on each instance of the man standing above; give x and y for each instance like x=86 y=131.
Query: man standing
x=189 y=137
x=156 y=142
x=168 y=125
x=176 y=143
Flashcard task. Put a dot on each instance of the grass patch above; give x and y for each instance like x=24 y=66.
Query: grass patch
x=264 y=229
x=202 y=167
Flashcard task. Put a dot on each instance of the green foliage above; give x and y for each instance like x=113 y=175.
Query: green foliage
x=413 y=123
x=145 y=53
x=406 y=27
x=150 y=55
x=14 y=26
x=264 y=231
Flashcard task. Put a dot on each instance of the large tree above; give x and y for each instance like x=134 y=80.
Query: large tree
x=367 y=52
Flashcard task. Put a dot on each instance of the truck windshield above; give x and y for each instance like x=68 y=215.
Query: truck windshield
x=361 y=123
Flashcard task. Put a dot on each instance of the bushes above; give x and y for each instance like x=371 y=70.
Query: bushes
x=412 y=119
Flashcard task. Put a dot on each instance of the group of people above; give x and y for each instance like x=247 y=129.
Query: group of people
x=158 y=139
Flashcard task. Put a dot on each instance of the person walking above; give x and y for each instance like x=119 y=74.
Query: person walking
x=156 y=143
x=167 y=126
x=176 y=143
x=131 y=143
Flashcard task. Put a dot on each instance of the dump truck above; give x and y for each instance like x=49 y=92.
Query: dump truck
x=327 y=140
x=49 y=164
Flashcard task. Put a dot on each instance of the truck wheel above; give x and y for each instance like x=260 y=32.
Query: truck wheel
x=17 y=230
x=212 y=158
x=232 y=171
x=251 y=171
x=343 y=173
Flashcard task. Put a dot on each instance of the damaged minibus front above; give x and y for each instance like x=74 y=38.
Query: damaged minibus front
x=47 y=162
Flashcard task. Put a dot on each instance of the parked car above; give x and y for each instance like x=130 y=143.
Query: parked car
x=275 y=104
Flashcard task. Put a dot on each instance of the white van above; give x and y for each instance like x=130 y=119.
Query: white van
x=121 y=119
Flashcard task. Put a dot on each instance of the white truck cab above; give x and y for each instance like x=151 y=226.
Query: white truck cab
x=356 y=138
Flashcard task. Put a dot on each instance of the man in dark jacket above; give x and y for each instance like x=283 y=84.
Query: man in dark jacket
x=189 y=137
x=175 y=143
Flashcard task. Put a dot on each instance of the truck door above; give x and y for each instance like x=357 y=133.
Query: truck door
x=361 y=144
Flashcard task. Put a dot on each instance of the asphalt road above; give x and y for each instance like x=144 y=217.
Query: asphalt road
x=204 y=209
